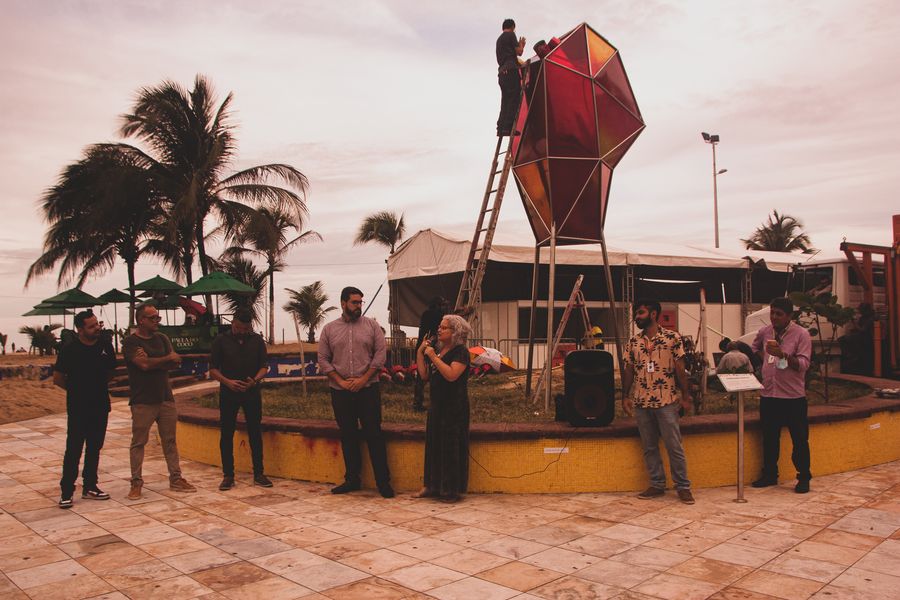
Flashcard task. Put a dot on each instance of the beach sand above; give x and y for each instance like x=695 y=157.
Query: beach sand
x=26 y=399
x=22 y=399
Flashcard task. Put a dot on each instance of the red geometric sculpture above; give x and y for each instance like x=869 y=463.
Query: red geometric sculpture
x=578 y=118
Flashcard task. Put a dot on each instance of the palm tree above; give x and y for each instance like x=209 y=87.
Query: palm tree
x=308 y=305
x=191 y=146
x=102 y=208
x=266 y=234
x=246 y=272
x=42 y=338
x=385 y=228
x=782 y=233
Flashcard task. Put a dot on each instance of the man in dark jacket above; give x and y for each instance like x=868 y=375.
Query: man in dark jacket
x=509 y=49
x=239 y=362
x=428 y=325
x=84 y=368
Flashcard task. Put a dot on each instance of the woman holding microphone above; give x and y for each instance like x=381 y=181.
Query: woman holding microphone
x=447 y=427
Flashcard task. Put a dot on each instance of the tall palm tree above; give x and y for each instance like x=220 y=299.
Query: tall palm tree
x=102 y=208
x=308 y=304
x=266 y=234
x=246 y=272
x=190 y=149
x=384 y=228
x=782 y=233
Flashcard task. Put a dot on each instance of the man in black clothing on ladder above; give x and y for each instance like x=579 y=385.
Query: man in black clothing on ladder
x=509 y=49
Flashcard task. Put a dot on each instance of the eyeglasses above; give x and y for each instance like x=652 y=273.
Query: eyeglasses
x=154 y=318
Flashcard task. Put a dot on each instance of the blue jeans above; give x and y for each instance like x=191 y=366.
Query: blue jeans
x=654 y=423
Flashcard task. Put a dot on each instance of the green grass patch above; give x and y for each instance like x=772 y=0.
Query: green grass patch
x=493 y=399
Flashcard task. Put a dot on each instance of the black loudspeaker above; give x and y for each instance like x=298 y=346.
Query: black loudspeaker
x=590 y=392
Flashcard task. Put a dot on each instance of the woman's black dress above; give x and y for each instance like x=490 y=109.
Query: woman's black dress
x=447 y=429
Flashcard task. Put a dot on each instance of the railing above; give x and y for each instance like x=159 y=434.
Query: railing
x=402 y=351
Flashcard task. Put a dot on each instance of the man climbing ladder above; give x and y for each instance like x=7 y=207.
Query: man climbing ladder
x=509 y=49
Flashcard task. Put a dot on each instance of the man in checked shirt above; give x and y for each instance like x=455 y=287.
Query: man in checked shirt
x=351 y=353
x=654 y=363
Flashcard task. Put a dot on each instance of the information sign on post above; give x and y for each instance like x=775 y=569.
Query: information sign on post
x=740 y=383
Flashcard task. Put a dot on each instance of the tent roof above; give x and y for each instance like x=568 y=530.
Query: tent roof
x=431 y=252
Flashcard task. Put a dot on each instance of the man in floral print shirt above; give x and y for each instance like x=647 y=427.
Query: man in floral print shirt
x=652 y=376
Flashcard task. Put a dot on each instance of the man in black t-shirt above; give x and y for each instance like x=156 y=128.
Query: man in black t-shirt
x=83 y=368
x=509 y=49
x=239 y=362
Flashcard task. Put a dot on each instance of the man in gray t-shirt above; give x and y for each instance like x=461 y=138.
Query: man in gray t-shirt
x=148 y=357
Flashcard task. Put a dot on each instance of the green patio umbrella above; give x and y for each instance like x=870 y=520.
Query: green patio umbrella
x=74 y=298
x=115 y=297
x=158 y=284
x=217 y=283
x=42 y=310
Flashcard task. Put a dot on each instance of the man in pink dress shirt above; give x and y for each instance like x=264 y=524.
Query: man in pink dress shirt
x=785 y=349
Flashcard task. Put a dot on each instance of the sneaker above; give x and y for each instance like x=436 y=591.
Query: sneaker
x=135 y=492
x=686 y=496
x=765 y=482
x=94 y=494
x=181 y=485
x=345 y=487
x=386 y=491
x=262 y=481
x=651 y=492
x=65 y=501
x=227 y=484
x=802 y=486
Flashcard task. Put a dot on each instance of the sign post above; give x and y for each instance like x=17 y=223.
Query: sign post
x=739 y=384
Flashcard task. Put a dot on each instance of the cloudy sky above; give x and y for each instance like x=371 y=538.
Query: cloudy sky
x=392 y=105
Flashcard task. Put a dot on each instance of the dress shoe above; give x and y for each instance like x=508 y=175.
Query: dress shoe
x=765 y=482
x=262 y=481
x=386 y=491
x=686 y=496
x=181 y=485
x=802 y=486
x=651 y=492
x=347 y=486
x=227 y=484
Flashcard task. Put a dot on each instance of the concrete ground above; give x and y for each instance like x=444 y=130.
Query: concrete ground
x=296 y=540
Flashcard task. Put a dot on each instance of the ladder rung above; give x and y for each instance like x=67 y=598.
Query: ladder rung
x=493 y=190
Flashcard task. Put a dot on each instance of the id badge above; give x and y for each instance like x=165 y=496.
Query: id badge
x=650 y=367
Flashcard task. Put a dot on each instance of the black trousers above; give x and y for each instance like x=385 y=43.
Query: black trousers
x=352 y=409
x=228 y=411
x=510 y=90
x=85 y=431
x=775 y=413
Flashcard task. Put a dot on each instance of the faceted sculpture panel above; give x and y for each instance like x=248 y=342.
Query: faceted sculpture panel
x=578 y=119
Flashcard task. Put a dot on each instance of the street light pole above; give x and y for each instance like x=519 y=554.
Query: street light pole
x=715 y=194
x=712 y=140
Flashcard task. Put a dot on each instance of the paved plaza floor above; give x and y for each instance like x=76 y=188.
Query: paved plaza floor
x=296 y=540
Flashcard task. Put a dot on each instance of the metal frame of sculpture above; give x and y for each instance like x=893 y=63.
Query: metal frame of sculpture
x=578 y=118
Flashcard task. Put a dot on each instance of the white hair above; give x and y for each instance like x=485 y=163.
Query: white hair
x=460 y=328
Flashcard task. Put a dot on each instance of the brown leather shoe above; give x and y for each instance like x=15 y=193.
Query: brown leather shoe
x=651 y=492
x=686 y=496
x=135 y=492
x=181 y=485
